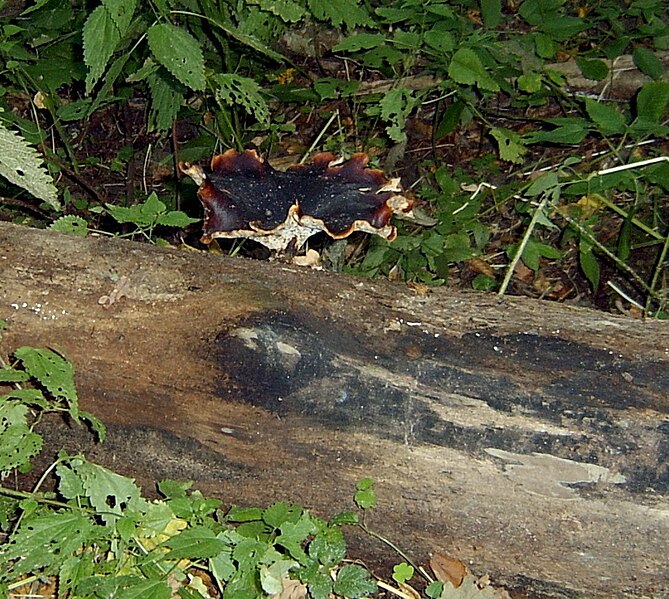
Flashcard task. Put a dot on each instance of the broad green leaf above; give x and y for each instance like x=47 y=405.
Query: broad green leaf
x=18 y=444
x=450 y=119
x=530 y=82
x=294 y=534
x=592 y=69
x=562 y=27
x=179 y=52
x=70 y=225
x=146 y=589
x=348 y=12
x=466 y=68
x=569 y=131
x=544 y=45
x=542 y=184
x=272 y=576
x=176 y=218
x=279 y=513
x=648 y=63
x=244 y=514
x=9 y=375
x=354 y=582
x=54 y=372
x=360 y=41
x=536 y=12
x=441 y=41
x=235 y=90
x=607 y=118
x=197 y=542
x=491 y=12
x=328 y=547
x=101 y=38
x=121 y=13
x=21 y=165
x=43 y=542
x=110 y=493
x=652 y=101
x=510 y=144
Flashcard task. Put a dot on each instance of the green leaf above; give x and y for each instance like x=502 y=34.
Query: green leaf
x=396 y=106
x=145 y=589
x=510 y=144
x=121 y=13
x=244 y=514
x=43 y=541
x=354 y=582
x=237 y=91
x=403 y=572
x=337 y=12
x=167 y=95
x=9 y=375
x=278 y=513
x=589 y=263
x=175 y=218
x=287 y=10
x=569 y=131
x=545 y=182
x=195 y=543
x=294 y=534
x=272 y=576
x=441 y=41
x=110 y=493
x=21 y=165
x=70 y=225
x=365 y=496
x=18 y=444
x=101 y=38
x=53 y=372
x=466 y=68
x=592 y=69
x=530 y=82
x=607 y=118
x=360 y=41
x=648 y=63
x=179 y=52
x=328 y=547
x=652 y=100
x=491 y=12
x=435 y=589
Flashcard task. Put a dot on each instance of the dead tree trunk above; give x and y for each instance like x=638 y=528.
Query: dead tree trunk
x=528 y=438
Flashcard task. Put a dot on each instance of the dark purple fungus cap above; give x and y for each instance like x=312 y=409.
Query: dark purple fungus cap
x=243 y=196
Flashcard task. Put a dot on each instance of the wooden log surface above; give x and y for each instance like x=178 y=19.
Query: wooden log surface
x=528 y=438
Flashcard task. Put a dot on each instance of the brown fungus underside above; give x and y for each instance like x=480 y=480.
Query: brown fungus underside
x=243 y=196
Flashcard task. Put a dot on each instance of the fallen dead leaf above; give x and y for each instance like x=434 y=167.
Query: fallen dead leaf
x=292 y=589
x=448 y=569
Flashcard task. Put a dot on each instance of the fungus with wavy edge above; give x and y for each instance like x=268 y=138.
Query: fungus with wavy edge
x=243 y=196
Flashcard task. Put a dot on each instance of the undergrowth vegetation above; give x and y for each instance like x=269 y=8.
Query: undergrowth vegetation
x=526 y=182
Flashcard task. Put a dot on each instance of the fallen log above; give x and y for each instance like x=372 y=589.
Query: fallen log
x=528 y=438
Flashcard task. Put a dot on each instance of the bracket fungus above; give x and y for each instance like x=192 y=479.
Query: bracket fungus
x=243 y=196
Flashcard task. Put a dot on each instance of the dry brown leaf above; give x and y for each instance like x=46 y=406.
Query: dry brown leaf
x=292 y=589
x=448 y=569
x=481 y=267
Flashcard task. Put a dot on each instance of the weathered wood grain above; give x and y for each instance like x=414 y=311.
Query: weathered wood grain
x=530 y=439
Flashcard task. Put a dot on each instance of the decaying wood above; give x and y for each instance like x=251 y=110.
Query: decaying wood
x=529 y=439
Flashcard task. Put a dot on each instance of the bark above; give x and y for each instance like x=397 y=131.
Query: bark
x=529 y=439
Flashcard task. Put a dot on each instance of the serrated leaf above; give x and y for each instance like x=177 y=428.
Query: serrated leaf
x=287 y=10
x=110 y=493
x=42 y=542
x=175 y=218
x=167 y=95
x=53 y=372
x=396 y=106
x=18 y=444
x=21 y=165
x=353 y=581
x=466 y=68
x=179 y=52
x=70 y=225
x=328 y=547
x=337 y=12
x=235 y=90
x=101 y=38
x=197 y=542
x=648 y=63
x=121 y=13
x=510 y=144
x=608 y=120
x=9 y=375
